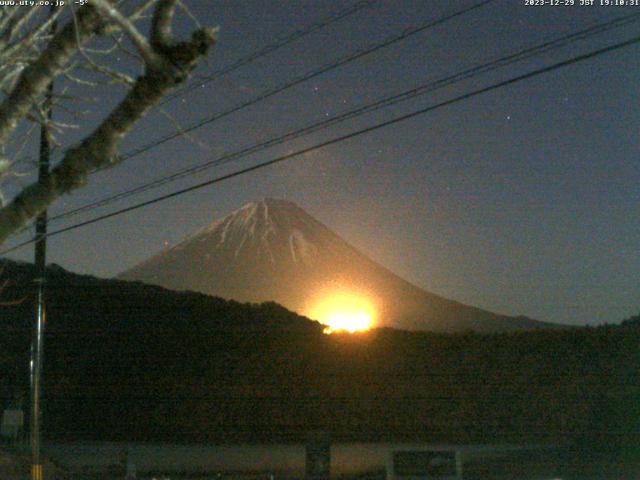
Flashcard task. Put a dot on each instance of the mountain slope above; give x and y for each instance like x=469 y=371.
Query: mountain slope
x=274 y=250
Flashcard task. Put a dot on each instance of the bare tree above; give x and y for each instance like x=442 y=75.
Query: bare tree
x=32 y=56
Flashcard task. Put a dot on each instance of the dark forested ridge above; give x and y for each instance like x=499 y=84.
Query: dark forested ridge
x=127 y=361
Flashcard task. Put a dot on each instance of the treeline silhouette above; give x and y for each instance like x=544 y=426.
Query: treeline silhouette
x=127 y=361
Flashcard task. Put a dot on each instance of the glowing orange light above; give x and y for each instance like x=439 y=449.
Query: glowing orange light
x=343 y=312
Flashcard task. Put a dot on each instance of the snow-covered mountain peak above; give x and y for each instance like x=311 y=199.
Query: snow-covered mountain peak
x=270 y=229
x=258 y=212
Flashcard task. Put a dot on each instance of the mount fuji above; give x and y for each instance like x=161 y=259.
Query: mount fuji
x=272 y=250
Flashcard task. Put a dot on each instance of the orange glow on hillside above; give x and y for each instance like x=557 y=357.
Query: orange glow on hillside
x=343 y=312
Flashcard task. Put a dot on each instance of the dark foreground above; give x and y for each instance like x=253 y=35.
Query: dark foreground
x=348 y=462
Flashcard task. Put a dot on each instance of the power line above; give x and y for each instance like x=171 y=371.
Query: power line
x=282 y=42
x=305 y=77
x=382 y=103
x=298 y=34
x=308 y=76
x=342 y=138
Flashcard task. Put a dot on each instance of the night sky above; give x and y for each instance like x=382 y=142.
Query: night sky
x=524 y=200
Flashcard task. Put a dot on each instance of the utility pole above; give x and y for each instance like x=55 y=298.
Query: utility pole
x=38 y=336
x=40 y=265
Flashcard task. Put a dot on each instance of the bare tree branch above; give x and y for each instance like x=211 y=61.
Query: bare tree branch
x=161 y=36
x=36 y=77
x=169 y=64
x=139 y=12
x=139 y=40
